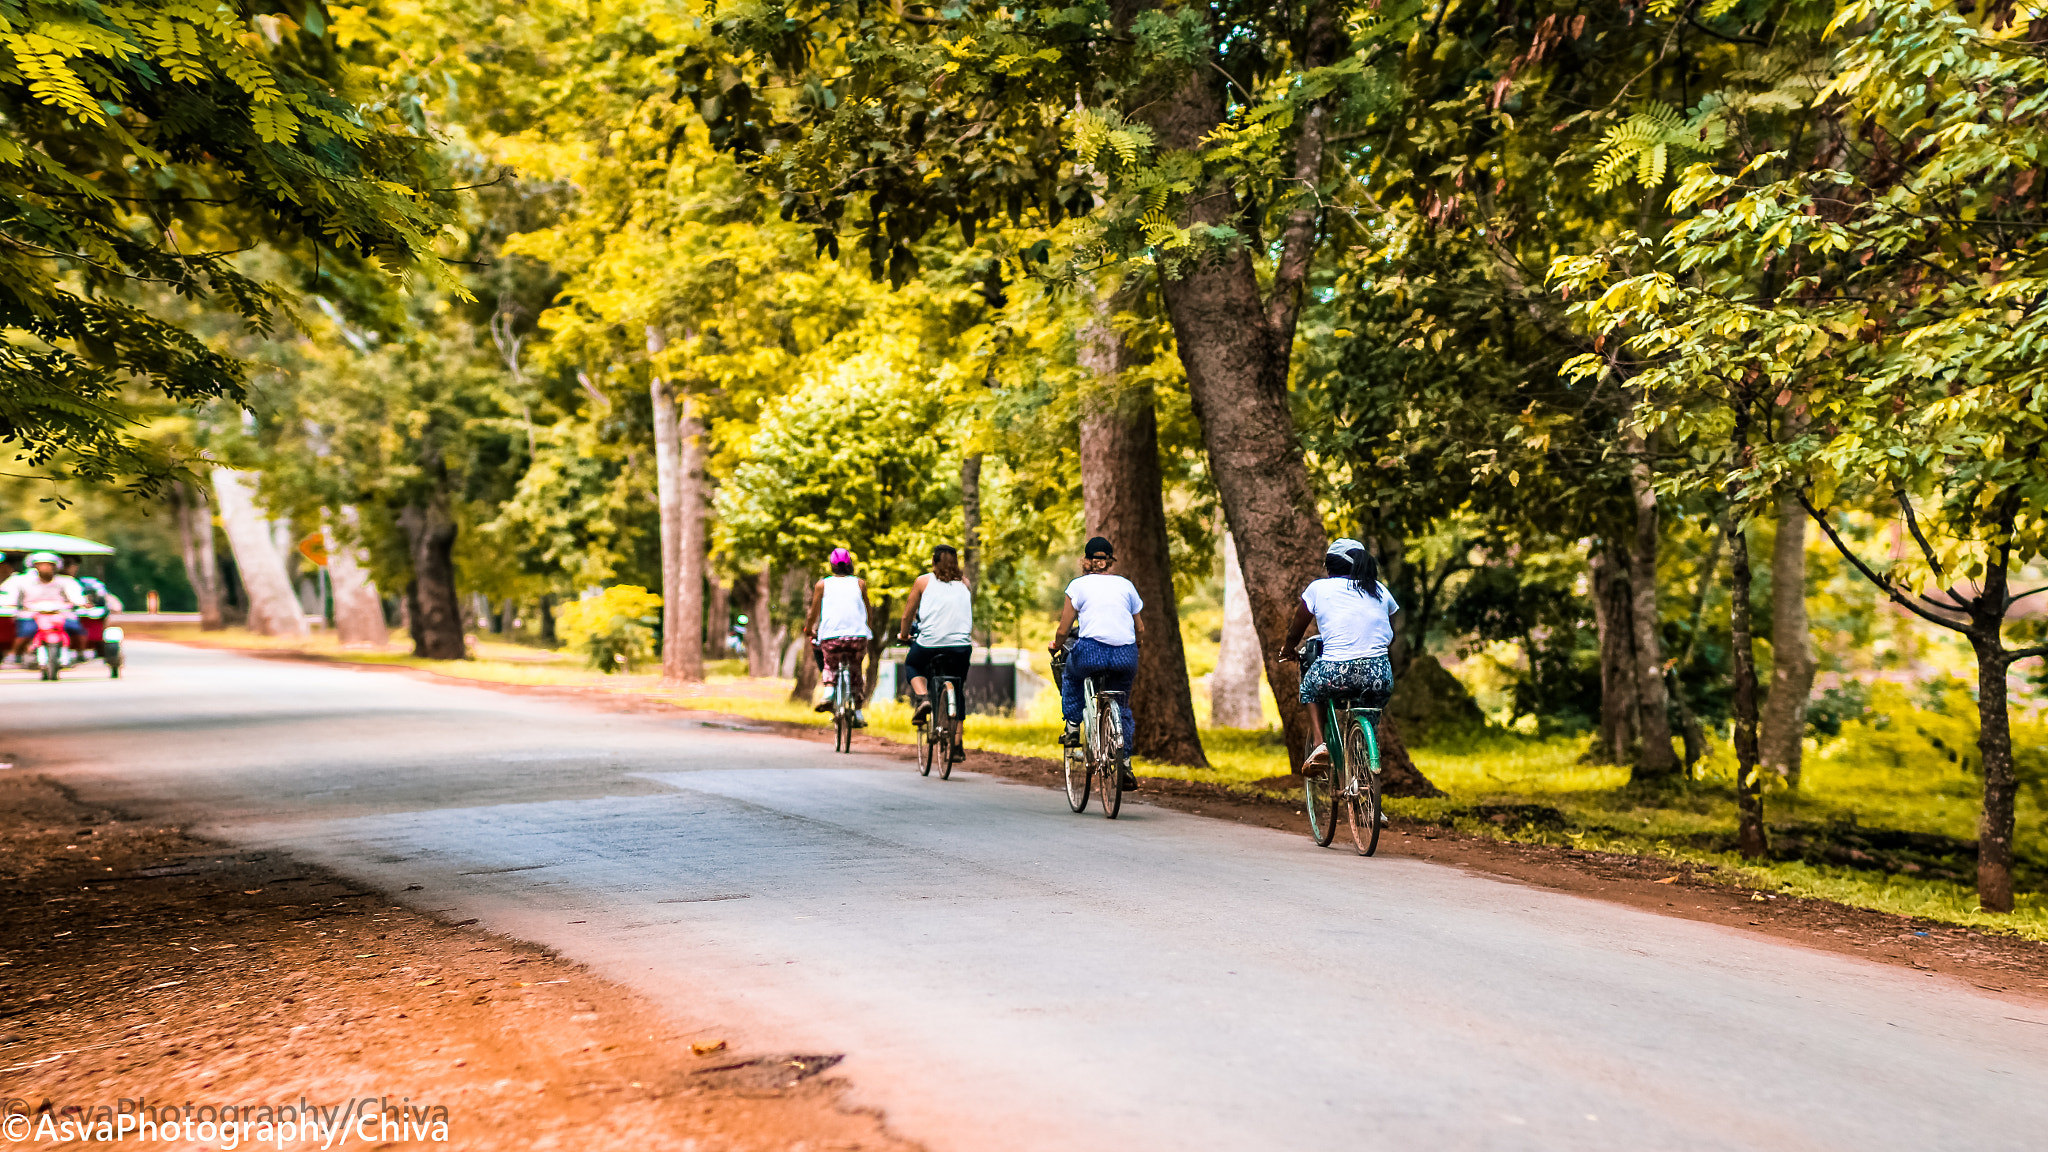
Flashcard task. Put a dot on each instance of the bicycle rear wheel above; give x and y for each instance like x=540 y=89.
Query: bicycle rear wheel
x=1362 y=801
x=842 y=712
x=924 y=747
x=1108 y=755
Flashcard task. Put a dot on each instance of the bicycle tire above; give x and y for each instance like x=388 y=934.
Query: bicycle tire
x=1109 y=728
x=1080 y=774
x=948 y=733
x=1320 y=797
x=842 y=716
x=924 y=749
x=1361 y=750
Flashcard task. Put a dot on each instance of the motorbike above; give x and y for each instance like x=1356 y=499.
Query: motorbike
x=51 y=645
x=101 y=638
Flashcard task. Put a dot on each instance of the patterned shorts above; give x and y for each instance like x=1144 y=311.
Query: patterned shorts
x=1370 y=681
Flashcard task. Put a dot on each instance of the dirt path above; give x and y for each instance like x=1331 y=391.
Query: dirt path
x=142 y=970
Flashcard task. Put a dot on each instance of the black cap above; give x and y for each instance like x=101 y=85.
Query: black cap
x=1099 y=546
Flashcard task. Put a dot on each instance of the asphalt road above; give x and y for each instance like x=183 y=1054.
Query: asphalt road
x=1003 y=974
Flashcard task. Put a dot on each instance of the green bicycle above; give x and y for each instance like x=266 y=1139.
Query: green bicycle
x=1352 y=788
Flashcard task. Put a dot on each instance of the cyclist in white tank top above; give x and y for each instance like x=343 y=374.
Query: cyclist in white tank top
x=938 y=621
x=837 y=622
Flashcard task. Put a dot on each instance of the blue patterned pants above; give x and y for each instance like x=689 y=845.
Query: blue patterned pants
x=1113 y=666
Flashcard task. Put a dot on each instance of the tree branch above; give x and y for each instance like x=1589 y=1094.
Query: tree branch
x=1298 y=234
x=1886 y=586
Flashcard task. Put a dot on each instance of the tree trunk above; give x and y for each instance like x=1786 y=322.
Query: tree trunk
x=195 y=538
x=1994 y=744
x=1654 y=756
x=1122 y=492
x=1611 y=598
x=761 y=646
x=1792 y=663
x=273 y=604
x=717 y=615
x=547 y=619
x=436 y=611
x=679 y=650
x=1749 y=789
x=358 y=610
x=970 y=518
x=690 y=486
x=1234 y=686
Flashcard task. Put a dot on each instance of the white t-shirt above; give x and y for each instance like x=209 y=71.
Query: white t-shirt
x=1352 y=624
x=28 y=591
x=1104 y=608
x=945 y=614
x=840 y=615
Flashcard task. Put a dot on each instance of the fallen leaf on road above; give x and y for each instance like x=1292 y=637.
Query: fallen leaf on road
x=424 y=983
x=1666 y=880
x=707 y=1047
x=252 y=891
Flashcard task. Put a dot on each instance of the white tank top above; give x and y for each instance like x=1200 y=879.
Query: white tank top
x=945 y=614
x=839 y=610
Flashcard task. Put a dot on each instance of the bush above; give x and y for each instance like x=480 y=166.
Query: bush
x=614 y=629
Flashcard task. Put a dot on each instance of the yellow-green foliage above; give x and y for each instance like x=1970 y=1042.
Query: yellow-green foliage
x=614 y=630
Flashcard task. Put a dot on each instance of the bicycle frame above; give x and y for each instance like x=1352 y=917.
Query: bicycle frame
x=1333 y=734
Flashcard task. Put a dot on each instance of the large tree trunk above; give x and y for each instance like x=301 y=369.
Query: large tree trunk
x=1234 y=686
x=970 y=519
x=2001 y=786
x=195 y=538
x=273 y=604
x=436 y=611
x=690 y=488
x=762 y=645
x=1611 y=598
x=358 y=610
x=1122 y=492
x=1654 y=757
x=1749 y=789
x=681 y=658
x=1792 y=663
x=717 y=614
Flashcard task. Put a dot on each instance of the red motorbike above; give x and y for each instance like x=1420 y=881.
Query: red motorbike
x=52 y=645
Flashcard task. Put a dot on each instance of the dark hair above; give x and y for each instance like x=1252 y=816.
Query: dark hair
x=1365 y=572
x=946 y=564
x=843 y=568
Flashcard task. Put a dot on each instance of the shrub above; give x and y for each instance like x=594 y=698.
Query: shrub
x=614 y=630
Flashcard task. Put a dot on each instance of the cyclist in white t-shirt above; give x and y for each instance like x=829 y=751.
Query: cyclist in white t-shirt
x=837 y=622
x=1354 y=614
x=1102 y=611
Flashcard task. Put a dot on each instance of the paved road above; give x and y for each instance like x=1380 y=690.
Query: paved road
x=1005 y=975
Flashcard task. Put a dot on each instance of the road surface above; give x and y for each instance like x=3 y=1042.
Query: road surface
x=1003 y=974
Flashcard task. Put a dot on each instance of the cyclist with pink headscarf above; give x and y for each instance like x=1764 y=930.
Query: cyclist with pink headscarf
x=837 y=622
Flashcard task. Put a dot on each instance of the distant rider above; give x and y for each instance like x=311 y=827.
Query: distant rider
x=938 y=622
x=837 y=622
x=42 y=589
x=1354 y=614
x=1103 y=611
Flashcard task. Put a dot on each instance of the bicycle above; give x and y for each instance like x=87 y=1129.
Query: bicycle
x=1098 y=762
x=843 y=707
x=940 y=728
x=1353 y=785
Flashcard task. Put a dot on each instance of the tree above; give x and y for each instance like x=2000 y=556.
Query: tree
x=145 y=145
x=1885 y=286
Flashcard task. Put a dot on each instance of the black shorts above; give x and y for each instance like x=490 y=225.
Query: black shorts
x=951 y=660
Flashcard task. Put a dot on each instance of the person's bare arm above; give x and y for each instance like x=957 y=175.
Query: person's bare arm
x=1295 y=627
x=1138 y=625
x=1067 y=615
x=910 y=606
x=811 y=613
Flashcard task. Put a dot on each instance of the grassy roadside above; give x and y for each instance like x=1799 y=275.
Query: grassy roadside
x=1887 y=833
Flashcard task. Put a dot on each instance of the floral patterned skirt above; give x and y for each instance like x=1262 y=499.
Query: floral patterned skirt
x=1370 y=681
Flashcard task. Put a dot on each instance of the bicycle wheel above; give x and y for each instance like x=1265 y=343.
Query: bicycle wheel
x=1320 y=797
x=924 y=748
x=1362 y=801
x=949 y=731
x=842 y=711
x=1079 y=775
x=1108 y=751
